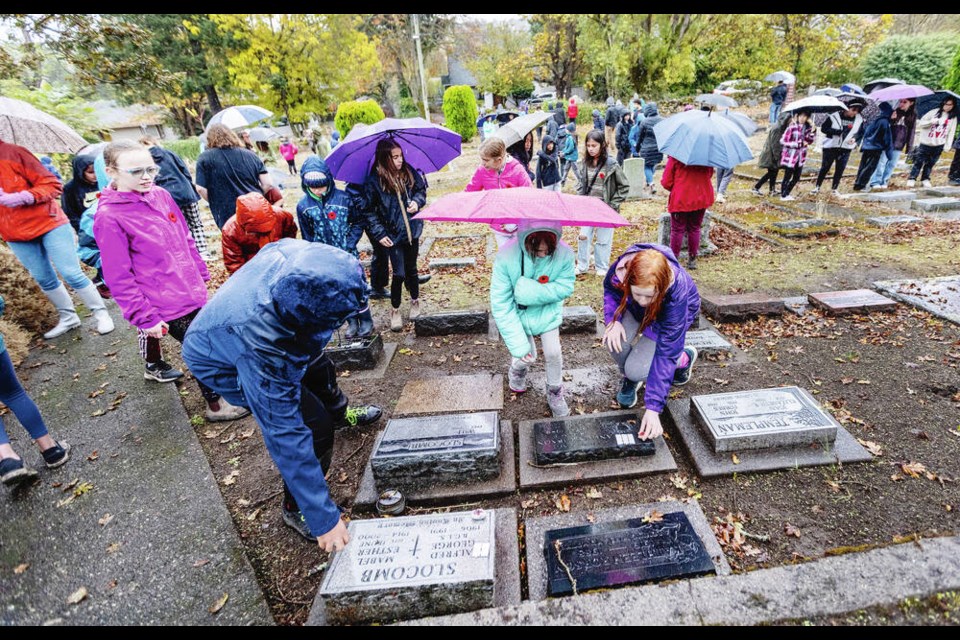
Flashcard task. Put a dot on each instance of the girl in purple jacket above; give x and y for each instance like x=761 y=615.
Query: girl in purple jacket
x=150 y=261
x=649 y=302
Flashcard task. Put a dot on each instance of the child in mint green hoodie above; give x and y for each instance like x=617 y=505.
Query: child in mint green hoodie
x=532 y=276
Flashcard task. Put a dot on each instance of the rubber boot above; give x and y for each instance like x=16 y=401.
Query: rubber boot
x=67 y=312
x=352 y=328
x=365 y=324
x=91 y=298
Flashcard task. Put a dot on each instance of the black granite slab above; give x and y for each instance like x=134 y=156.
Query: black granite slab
x=588 y=439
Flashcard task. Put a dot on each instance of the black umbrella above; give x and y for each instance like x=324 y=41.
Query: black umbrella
x=882 y=83
x=507 y=116
x=926 y=104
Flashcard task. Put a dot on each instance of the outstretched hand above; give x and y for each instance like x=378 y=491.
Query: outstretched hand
x=614 y=337
x=335 y=539
x=650 y=426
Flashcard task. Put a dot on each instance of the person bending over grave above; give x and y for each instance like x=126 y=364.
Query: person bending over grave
x=649 y=302
x=256 y=224
x=532 y=276
x=259 y=342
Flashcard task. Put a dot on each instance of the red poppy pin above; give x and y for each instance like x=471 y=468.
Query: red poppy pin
x=172 y=216
x=331 y=215
x=543 y=279
x=601 y=175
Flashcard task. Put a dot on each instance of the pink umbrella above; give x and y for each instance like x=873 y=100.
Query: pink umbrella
x=512 y=206
x=900 y=92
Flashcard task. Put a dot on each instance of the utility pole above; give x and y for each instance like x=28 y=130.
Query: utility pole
x=423 y=76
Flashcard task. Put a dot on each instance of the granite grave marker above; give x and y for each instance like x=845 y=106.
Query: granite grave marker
x=604 y=438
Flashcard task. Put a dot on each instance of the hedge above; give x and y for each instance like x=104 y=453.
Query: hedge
x=354 y=111
x=460 y=111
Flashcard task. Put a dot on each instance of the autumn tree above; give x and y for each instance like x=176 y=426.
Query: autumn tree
x=298 y=64
x=555 y=49
x=504 y=61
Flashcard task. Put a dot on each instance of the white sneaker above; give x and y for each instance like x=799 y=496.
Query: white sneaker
x=226 y=412
x=878 y=186
x=787 y=198
x=911 y=184
x=756 y=192
x=815 y=190
x=720 y=198
x=927 y=184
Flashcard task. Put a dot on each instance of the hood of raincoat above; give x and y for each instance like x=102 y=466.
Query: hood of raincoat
x=80 y=163
x=524 y=229
x=314 y=164
x=255 y=214
x=650 y=110
x=543 y=146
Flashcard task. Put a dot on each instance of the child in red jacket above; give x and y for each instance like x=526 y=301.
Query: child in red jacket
x=691 y=192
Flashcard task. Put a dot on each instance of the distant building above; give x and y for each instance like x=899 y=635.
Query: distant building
x=458 y=74
x=133 y=121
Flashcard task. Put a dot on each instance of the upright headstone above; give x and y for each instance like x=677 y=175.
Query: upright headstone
x=355 y=354
x=415 y=452
x=578 y=319
x=762 y=419
x=633 y=169
x=706 y=247
x=629 y=551
x=557 y=441
x=412 y=567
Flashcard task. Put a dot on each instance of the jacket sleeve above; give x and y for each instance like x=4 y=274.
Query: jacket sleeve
x=829 y=129
x=670 y=341
x=371 y=214
x=419 y=192
x=233 y=257
x=927 y=120
x=118 y=273
x=184 y=169
x=669 y=173
x=611 y=295
x=305 y=221
x=503 y=306
x=275 y=403
x=44 y=186
x=476 y=182
x=287 y=227
x=540 y=167
x=623 y=187
x=530 y=292
x=951 y=133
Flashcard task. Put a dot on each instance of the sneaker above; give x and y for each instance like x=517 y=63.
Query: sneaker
x=911 y=184
x=57 y=455
x=815 y=191
x=414 y=309
x=12 y=472
x=557 y=403
x=756 y=192
x=682 y=376
x=360 y=416
x=379 y=293
x=927 y=184
x=517 y=379
x=627 y=396
x=692 y=264
x=721 y=198
x=879 y=187
x=296 y=521
x=837 y=193
x=226 y=412
x=161 y=372
x=785 y=198
x=396 y=320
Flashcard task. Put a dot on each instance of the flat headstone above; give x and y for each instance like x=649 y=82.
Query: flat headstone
x=844 y=450
x=451 y=394
x=854 y=301
x=578 y=319
x=706 y=247
x=939 y=296
x=884 y=196
x=799 y=224
x=412 y=566
x=739 y=306
x=633 y=169
x=945 y=216
x=936 y=204
x=533 y=474
x=452 y=322
x=803 y=228
x=452 y=263
x=762 y=419
x=886 y=221
x=634 y=553
x=439 y=493
x=419 y=451
x=707 y=341
x=559 y=442
x=943 y=192
x=798 y=304
x=356 y=354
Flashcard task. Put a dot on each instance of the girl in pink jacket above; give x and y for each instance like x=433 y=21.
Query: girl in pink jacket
x=150 y=261
x=289 y=152
x=498 y=170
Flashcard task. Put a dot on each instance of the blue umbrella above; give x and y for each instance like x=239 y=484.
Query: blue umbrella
x=426 y=147
x=746 y=124
x=702 y=139
x=853 y=88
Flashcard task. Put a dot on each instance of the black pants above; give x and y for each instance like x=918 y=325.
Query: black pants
x=403 y=259
x=955 y=167
x=791 y=176
x=925 y=157
x=178 y=329
x=379 y=265
x=833 y=155
x=292 y=166
x=868 y=164
x=771 y=175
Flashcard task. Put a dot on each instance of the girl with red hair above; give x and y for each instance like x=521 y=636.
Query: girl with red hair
x=649 y=302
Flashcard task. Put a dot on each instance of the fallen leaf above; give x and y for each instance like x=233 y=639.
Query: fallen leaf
x=78 y=596
x=248 y=433
x=200 y=563
x=864 y=382
x=253 y=515
x=593 y=494
x=98 y=413
x=896 y=477
x=653 y=516
x=834 y=485
x=112 y=584
x=93 y=456
x=721 y=381
x=912 y=469
x=243 y=502
x=71 y=485
x=592 y=518
x=563 y=503
x=113 y=547
x=846 y=380
x=679 y=481
x=406 y=352
x=20 y=568
x=872 y=447
x=735 y=458
x=105 y=520
x=216 y=606
x=791 y=530
x=231 y=478
x=527 y=504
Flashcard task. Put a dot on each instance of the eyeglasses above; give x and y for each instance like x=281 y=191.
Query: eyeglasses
x=139 y=172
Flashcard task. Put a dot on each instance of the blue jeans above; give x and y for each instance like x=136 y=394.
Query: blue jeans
x=888 y=161
x=601 y=252
x=56 y=246
x=648 y=170
x=13 y=395
x=775 y=111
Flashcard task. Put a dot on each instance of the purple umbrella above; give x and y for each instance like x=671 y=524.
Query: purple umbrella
x=426 y=146
x=900 y=92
